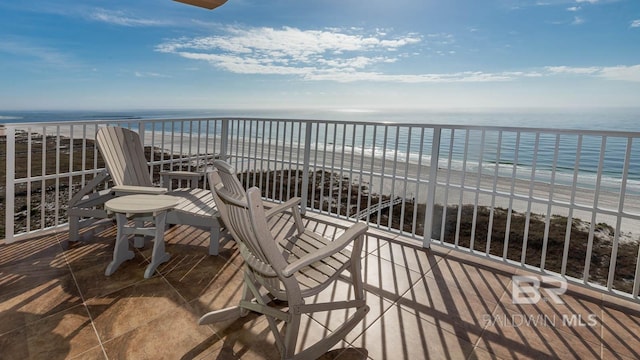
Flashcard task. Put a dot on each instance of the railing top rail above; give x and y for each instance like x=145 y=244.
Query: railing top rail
x=320 y=121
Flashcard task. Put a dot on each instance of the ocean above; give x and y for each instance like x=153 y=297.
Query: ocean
x=622 y=119
x=593 y=119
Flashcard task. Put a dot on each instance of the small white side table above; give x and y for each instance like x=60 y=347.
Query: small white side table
x=141 y=208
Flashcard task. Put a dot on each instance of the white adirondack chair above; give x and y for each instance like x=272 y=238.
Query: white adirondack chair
x=291 y=271
x=127 y=167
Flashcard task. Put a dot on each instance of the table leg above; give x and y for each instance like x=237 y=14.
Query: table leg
x=138 y=239
x=158 y=255
x=121 y=252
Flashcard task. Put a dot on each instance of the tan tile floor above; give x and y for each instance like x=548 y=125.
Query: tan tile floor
x=436 y=303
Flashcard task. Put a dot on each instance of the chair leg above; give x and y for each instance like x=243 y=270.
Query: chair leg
x=74 y=228
x=214 y=239
x=225 y=314
x=356 y=268
x=316 y=350
x=291 y=334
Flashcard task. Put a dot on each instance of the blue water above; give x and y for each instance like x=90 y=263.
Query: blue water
x=626 y=119
x=408 y=147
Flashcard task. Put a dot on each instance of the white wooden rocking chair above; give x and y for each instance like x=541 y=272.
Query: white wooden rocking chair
x=127 y=167
x=292 y=271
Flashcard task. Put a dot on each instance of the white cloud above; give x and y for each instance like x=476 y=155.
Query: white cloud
x=142 y=74
x=620 y=73
x=578 y=20
x=466 y=76
x=573 y=8
x=635 y=23
x=349 y=56
x=120 y=18
x=294 y=51
x=624 y=73
x=572 y=70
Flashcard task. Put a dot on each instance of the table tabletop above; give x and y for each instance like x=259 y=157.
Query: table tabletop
x=141 y=203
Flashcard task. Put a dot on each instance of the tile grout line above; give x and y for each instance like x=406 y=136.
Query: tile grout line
x=82 y=298
x=484 y=328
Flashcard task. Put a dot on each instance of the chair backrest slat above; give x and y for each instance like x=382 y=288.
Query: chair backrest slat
x=228 y=176
x=124 y=156
x=242 y=222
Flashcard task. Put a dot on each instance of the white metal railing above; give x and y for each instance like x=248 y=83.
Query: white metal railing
x=564 y=202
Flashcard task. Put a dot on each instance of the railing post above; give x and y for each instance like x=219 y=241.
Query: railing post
x=224 y=139
x=9 y=204
x=304 y=191
x=144 y=143
x=431 y=189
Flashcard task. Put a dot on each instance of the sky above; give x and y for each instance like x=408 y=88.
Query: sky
x=333 y=54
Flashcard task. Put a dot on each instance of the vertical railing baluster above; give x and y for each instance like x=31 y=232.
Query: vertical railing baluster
x=224 y=139
x=371 y=170
x=341 y=167
x=292 y=128
x=283 y=165
x=10 y=188
x=56 y=212
x=262 y=155
x=207 y=156
x=332 y=168
x=463 y=178
x=507 y=231
x=392 y=193
x=304 y=191
x=532 y=181
x=190 y=151
x=432 y=187
x=405 y=180
x=572 y=203
x=29 y=179
x=83 y=167
x=300 y=152
x=315 y=166
x=361 y=169
x=414 y=222
x=547 y=220
x=69 y=185
x=352 y=144
x=616 y=235
x=383 y=163
x=494 y=190
x=324 y=170
x=594 y=213
x=474 y=218
x=445 y=202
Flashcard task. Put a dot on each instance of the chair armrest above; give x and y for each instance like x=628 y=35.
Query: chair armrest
x=333 y=247
x=130 y=189
x=182 y=175
x=289 y=204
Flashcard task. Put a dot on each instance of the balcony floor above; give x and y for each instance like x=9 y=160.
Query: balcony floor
x=435 y=303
